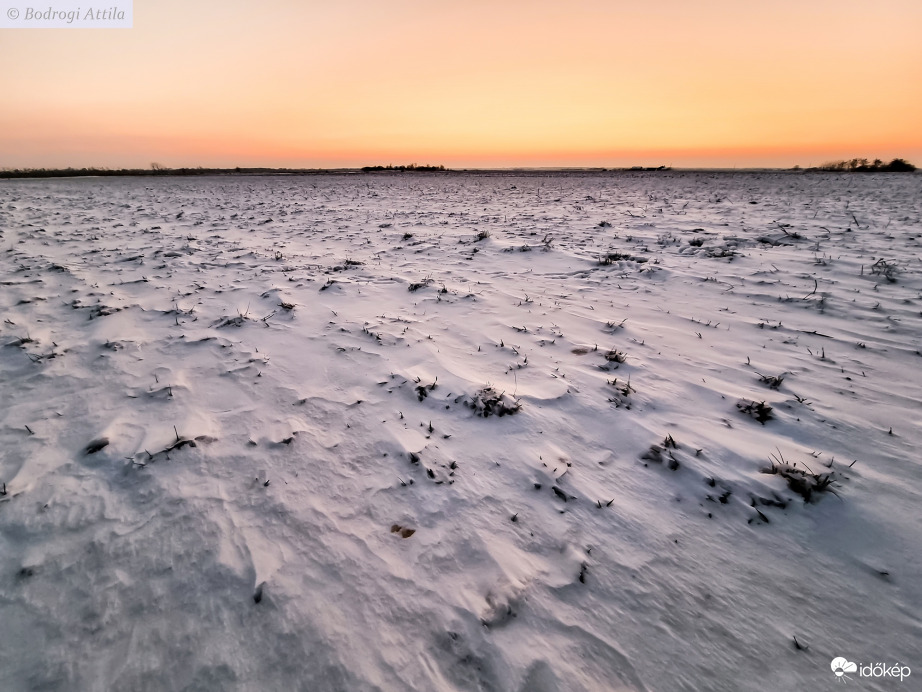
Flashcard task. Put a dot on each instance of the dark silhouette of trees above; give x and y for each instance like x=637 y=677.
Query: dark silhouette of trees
x=863 y=166
x=410 y=167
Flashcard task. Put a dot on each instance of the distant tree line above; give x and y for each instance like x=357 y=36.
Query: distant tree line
x=865 y=166
x=157 y=169
x=160 y=170
x=410 y=167
x=81 y=172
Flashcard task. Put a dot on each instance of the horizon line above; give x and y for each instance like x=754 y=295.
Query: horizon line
x=9 y=173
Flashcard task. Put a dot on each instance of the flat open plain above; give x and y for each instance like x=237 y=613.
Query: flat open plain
x=436 y=432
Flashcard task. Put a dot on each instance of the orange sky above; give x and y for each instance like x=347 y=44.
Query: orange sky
x=469 y=83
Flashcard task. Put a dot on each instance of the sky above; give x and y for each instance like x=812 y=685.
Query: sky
x=472 y=83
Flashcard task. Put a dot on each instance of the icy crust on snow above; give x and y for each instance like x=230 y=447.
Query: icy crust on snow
x=459 y=432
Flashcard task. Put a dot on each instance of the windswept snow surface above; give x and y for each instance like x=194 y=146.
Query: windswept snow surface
x=297 y=491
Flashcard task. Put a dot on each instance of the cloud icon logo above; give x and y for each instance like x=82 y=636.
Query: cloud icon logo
x=840 y=666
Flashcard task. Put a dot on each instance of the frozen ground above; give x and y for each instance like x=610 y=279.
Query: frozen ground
x=298 y=494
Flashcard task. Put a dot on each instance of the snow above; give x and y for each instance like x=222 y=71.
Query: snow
x=299 y=489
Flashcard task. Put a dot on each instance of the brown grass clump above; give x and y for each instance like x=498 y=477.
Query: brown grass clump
x=488 y=402
x=802 y=480
x=759 y=410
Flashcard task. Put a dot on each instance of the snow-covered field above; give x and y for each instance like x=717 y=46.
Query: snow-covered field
x=460 y=432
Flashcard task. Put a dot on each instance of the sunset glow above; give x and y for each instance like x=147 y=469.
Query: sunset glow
x=307 y=84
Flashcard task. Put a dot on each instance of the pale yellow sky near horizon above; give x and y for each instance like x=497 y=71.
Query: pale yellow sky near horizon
x=308 y=84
